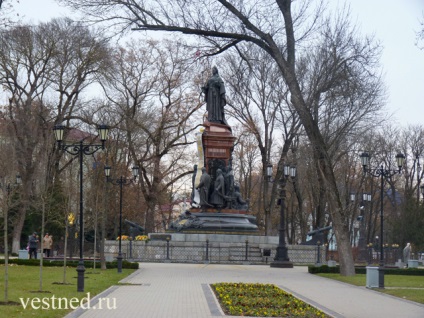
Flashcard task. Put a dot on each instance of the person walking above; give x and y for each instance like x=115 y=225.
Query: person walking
x=33 y=245
x=51 y=245
x=47 y=245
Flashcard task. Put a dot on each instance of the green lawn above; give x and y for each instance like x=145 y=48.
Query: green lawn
x=24 y=283
x=402 y=286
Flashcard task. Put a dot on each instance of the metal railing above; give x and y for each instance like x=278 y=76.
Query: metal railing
x=212 y=252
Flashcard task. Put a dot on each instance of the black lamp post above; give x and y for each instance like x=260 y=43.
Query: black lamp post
x=354 y=225
x=121 y=182
x=366 y=197
x=81 y=149
x=383 y=174
x=281 y=257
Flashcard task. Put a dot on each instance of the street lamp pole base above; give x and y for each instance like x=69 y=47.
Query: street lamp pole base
x=119 y=258
x=281 y=264
x=381 y=276
x=281 y=259
x=80 y=280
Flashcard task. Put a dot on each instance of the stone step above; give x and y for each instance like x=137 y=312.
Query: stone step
x=249 y=259
x=251 y=252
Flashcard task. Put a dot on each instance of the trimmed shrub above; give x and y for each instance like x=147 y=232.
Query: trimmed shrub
x=363 y=270
x=73 y=263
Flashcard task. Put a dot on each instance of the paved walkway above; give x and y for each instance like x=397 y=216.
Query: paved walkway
x=181 y=291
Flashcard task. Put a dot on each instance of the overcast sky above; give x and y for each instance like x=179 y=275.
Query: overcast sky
x=394 y=23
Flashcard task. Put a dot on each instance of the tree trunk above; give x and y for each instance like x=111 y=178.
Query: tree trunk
x=267 y=204
x=65 y=249
x=347 y=266
x=150 y=217
x=340 y=226
x=6 y=252
x=103 y=231
x=17 y=230
x=43 y=213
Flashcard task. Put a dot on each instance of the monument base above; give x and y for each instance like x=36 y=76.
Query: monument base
x=215 y=222
x=229 y=232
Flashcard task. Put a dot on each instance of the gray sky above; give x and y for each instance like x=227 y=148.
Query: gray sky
x=394 y=23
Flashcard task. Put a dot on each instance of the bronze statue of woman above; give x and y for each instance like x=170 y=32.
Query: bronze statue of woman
x=214 y=91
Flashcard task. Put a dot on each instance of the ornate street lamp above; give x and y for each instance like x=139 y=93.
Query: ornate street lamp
x=80 y=149
x=269 y=172
x=121 y=182
x=383 y=174
x=281 y=257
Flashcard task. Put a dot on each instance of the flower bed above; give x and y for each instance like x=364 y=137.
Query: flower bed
x=142 y=238
x=261 y=300
x=137 y=238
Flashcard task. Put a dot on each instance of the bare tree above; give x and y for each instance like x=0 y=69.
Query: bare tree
x=7 y=14
x=43 y=70
x=245 y=171
x=413 y=148
x=406 y=221
x=289 y=32
x=420 y=33
x=153 y=100
x=259 y=102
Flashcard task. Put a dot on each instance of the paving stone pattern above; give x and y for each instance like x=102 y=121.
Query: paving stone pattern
x=170 y=290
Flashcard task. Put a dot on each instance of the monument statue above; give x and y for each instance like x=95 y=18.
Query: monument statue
x=135 y=229
x=238 y=202
x=214 y=91
x=407 y=253
x=218 y=195
x=203 y=187
x=216 y=203
x=229 y=181
x=193 y=184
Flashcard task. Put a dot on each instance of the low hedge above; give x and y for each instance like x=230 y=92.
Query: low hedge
x=73 y=263
x=363 y=270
